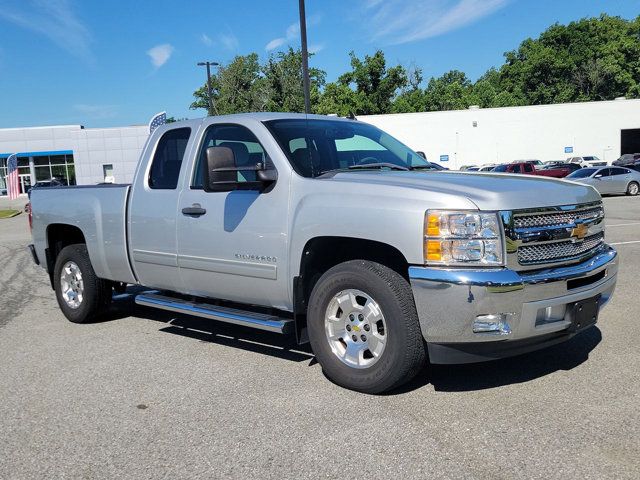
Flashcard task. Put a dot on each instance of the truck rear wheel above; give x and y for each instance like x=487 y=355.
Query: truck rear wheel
x=364 y=328
x=80 y=293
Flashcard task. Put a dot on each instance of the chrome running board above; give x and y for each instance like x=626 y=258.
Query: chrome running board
x=256 y=320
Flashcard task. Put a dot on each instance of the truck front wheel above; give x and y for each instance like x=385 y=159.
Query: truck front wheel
x=80 y=293
x=363 y=327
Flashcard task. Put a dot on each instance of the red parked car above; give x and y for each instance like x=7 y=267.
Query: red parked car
x=529 y=168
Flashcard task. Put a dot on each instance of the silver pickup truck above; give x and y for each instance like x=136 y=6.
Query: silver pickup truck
x=332 y=230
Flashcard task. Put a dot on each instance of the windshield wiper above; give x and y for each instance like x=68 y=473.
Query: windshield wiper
x=392 y=166
x=423 y=167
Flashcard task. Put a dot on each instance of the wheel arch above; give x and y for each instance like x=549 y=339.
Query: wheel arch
x=58 y=236
x=321 y=253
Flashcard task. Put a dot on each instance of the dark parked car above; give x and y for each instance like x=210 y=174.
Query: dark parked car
x=53 y=182
x=627 y=159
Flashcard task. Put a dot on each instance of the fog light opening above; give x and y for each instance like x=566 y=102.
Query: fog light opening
x=496 y=324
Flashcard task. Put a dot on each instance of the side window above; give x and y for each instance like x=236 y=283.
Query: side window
x=528 y=168
x=165 y=167
x=618 y=171
x=605 y=172
x=246 y=150
x=516 y=169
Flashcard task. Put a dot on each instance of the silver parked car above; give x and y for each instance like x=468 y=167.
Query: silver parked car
x=608 y=180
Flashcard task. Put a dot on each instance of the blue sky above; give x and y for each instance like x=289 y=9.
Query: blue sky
x=111 y=63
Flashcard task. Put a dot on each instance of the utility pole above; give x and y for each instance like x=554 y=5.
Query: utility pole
x=305 y=57
x=212 y=107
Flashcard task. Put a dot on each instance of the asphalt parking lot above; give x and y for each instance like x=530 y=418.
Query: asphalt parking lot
x=148 y=395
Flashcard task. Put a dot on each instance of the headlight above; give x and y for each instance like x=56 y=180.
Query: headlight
x=462 y=238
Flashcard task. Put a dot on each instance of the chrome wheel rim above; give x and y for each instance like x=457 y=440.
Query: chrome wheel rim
x=633 y=189
x=71 y=285
x=356 y=329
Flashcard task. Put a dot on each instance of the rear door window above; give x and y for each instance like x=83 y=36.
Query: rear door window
x=516 y=169
x=167 y=159
x=528 y=168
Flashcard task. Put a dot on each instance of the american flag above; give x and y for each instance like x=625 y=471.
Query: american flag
x=157 y=120
x=13 y=182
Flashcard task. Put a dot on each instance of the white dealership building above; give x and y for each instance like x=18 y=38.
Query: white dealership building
x=474 y=136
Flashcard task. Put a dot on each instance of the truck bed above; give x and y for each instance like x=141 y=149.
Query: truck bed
x=99 y=211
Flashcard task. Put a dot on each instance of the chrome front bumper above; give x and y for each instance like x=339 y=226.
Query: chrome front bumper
x=536 y=305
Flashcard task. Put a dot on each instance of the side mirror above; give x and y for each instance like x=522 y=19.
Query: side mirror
x=422 y=154
x=221 y=172
x=598 y=176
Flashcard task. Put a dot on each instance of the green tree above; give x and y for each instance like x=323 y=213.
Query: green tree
x=591 y=59
x=283 y=77
x=375 y=86
x=451 y=91
x=411 y=97
x=236 y=87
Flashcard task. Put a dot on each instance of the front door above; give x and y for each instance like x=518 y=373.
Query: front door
x=603 y=179
x=234 y=246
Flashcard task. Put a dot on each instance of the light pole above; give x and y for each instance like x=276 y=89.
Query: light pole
x=305 y=57
x=212 y=107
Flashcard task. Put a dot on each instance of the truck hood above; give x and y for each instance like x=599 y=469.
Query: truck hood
x=488 y=191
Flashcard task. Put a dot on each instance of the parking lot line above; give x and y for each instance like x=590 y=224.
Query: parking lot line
x=625 y=243
x=623 y=224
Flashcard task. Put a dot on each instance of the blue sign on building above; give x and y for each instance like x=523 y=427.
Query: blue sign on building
x=568 y=149
x=444 y=158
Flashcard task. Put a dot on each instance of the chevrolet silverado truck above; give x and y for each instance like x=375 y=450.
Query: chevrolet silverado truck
x=333 y=231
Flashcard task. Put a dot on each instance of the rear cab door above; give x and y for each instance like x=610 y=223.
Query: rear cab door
x=154 y=203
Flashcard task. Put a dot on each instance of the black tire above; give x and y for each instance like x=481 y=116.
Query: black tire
x=635 y=188
x=404 y=353
x=97 y=291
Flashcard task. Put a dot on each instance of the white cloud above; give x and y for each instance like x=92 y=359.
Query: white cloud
x=54 y=19
x=275 y=43
x=292 y=34
x=404 y=21
x=229 y=41
x=96 y=112
x=316 y=47
x=160 y=54
x=204 y=38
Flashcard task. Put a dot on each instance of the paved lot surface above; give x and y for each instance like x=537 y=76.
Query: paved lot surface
x=150 y=396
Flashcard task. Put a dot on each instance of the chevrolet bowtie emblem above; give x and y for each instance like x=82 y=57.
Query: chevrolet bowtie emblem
x=580 y=231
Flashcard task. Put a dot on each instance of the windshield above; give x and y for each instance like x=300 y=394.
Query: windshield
x=583 y=172
x=316 y=146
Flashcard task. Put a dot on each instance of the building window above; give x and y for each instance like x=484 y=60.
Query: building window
x=107 y=171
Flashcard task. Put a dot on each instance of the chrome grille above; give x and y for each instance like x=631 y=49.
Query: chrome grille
x=559 y=251
x=556 y=218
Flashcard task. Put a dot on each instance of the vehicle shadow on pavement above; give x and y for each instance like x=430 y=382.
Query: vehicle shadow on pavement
x=235 y=336
x=444 y=378
x=518 y=369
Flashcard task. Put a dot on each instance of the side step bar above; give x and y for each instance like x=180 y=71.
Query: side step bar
x=257 y=320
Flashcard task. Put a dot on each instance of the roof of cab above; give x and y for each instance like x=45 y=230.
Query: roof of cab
x=261 y=117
